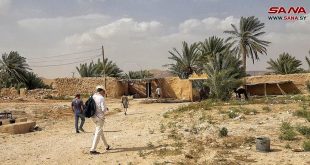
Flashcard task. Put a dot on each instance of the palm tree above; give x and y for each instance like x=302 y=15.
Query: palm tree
x=246 y=39
x=285 y=64
x=14 y=66
x=105 y=68
x=186 y=62
x=138 y=74
x=211 y=47
x=108 y=68
x=224 y=71
x=308 y=60
x=33 y=81
x=86 y=70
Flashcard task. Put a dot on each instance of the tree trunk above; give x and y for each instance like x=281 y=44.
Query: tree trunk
x=244 y=67
x=244 y=61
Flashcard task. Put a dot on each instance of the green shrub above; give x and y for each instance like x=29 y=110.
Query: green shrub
x=303 y=113
x=287 y=131
x=232 y=114
x=287 y=146
x=304 y=130
x=306 y=145
x=223 y=132
x=266 y=109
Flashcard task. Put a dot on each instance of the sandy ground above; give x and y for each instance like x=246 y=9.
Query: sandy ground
x=130 y=135
x=58 y=143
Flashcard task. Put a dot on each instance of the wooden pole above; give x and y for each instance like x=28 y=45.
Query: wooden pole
x=283 y=93
x=104 y=75
x=265 y=89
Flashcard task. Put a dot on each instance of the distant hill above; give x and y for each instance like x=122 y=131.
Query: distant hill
x=47 y=81
x=256 y=73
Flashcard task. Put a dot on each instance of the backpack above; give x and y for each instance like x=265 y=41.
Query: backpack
x=90 y=107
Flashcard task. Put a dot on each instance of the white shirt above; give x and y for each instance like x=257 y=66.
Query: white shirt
x=158 y=91
x=101 y=107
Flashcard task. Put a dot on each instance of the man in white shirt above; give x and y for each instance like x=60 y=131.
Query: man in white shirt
x=158 y=92
x=98 y=119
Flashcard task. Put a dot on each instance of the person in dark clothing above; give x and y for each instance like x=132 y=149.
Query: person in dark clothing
x=204 y=93
x=77 y=108
x=239 y=91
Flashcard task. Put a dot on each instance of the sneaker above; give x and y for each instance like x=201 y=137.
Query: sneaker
x=77 y=131
x=125 y=113
x=81 y=129
x=94 y=152
x=108 y=148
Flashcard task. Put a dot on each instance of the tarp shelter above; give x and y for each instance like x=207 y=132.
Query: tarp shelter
x=272 y=88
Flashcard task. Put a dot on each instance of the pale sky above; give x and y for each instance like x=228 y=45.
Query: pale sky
x=136 y=34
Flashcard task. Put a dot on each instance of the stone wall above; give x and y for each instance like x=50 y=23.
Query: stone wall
x=87 y=85
x=172 y=87
x=9 y=92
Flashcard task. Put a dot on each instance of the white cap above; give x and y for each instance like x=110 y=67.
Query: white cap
x=100 y=87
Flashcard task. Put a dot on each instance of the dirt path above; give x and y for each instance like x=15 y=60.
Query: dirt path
x=59 y=144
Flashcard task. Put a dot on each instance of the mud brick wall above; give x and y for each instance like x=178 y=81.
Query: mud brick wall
x=174 y=87
x=87 y=85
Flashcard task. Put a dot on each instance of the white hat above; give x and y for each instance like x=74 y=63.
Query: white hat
x=100 y=87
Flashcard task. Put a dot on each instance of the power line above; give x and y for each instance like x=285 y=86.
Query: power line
x=65 y=54
x=56 y=60
x=41 y=66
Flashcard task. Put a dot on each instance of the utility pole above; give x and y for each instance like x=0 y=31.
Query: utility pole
x=105 y=79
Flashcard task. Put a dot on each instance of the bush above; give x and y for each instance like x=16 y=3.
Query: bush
x=304 y=130
x=287 y=131
x=267 y=109
x=232 y=114
x=306 y=145
x=223 y=132
x=303 y=113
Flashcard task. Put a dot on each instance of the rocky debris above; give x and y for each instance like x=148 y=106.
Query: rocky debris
x=297 y=150
x=240 y=117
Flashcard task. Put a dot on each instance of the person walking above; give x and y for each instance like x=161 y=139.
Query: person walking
x=158 y=92
x=77 y=108
x=125 y=103
x=99 y=118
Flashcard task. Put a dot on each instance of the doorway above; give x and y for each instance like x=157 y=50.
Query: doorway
x=148 y=89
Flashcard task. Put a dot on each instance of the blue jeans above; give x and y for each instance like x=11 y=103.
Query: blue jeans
x=77 y=116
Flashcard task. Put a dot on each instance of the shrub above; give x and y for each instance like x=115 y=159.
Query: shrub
x=287 y=146
x=306 y=145
x=266 y=109
x=304 y=130
x=303 y=113
x=287 y=131
x=223 y=132
x=232 y=114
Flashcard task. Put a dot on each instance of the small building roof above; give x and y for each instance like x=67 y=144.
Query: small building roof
x=268 y=82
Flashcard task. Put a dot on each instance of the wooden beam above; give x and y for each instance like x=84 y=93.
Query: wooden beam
x=265 y=89
x=283 y=93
